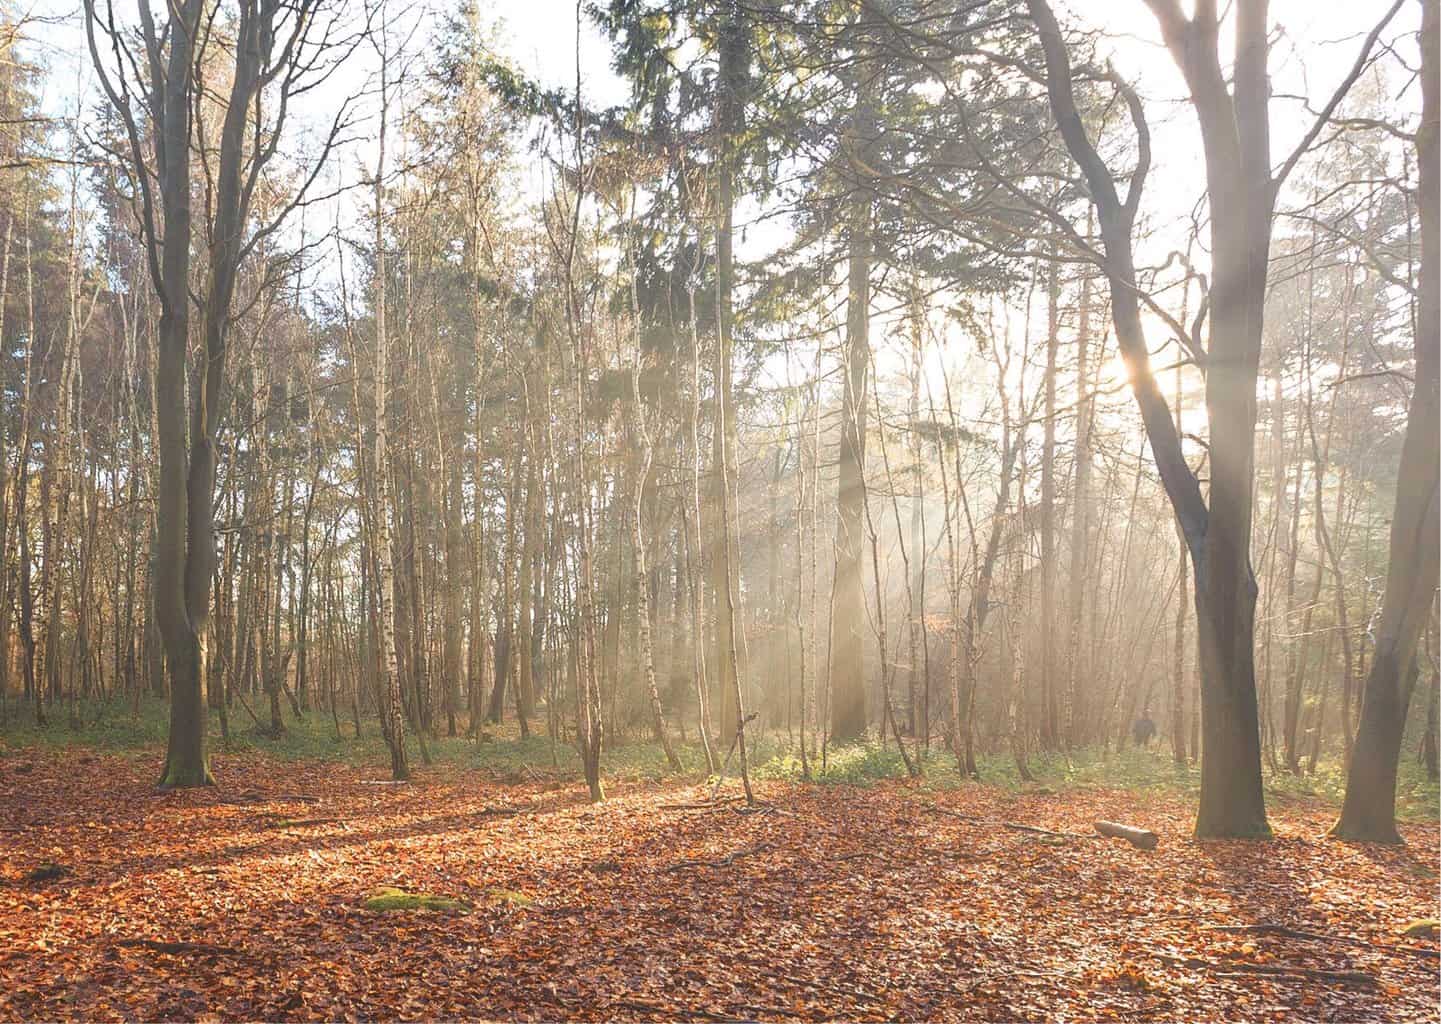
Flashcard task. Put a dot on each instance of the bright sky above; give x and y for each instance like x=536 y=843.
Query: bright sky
x=1315 y=44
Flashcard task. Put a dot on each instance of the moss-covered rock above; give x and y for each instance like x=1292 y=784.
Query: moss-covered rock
x=388 y=898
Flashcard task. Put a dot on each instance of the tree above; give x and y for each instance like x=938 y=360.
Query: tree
x=272 y=50
x=1369 y=810
x=847 y=672
x=1242 y=189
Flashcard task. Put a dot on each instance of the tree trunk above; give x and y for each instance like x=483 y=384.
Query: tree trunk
x=386 y=594
x=732 y=77
x=1369 y=810
x=848 y=652
x=186 y=760
x=1050 y=712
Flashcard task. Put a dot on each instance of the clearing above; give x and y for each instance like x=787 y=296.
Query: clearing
x=833 y=901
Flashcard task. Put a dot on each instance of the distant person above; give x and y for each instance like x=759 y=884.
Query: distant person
x=1144 y=730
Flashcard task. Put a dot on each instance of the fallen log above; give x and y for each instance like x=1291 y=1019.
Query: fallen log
x=1141 y=838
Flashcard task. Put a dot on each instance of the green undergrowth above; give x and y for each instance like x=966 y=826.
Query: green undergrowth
x=103 y=725
x=117 y=727
x=1417 y=797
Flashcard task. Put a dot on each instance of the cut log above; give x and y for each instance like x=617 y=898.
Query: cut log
x=1138 y=837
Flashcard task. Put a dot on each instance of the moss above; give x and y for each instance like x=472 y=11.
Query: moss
x=1422 y=928
x=389 y=898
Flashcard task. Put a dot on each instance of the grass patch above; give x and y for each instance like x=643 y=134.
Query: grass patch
x=112 y=726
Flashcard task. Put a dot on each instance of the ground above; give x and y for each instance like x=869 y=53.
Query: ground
x=830 y=901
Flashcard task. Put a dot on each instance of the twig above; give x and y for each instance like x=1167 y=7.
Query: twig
x=1014 y=826
x=1307 y=973
x=265 y=798
x=763 y=807
x=1296 y=933
x=724 y=862
x=1241 y=967
x=830 y=990
x=704 y=805
x=672 y=1012
x=203 y=948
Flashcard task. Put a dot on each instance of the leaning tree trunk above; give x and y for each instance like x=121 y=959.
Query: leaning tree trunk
x=1369 y=810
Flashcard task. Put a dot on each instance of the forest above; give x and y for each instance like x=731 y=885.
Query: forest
x=720 y=510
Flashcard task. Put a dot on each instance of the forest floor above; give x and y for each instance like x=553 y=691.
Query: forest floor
x=871 y=902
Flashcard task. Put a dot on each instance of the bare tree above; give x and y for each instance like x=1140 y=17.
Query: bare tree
x=1242 y=188
x=279 y=50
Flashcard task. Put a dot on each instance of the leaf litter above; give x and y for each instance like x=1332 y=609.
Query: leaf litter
x=853 y=903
